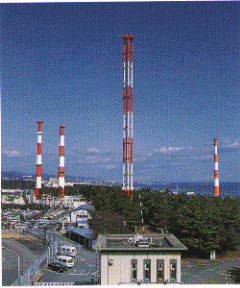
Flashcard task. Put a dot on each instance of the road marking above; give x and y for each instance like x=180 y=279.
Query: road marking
x=78 y=274
x=49 y=270
x=194 y=276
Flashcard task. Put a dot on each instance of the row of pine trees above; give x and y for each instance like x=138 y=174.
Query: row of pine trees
x=202 y=223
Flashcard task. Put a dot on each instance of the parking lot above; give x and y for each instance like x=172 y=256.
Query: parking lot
x=86 y=265
x=84 y=270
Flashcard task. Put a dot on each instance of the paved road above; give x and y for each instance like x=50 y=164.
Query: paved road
x=208 y=272
x=86 y=261
x=10 y=260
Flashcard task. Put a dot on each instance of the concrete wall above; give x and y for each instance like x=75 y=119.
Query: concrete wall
x=120 y=270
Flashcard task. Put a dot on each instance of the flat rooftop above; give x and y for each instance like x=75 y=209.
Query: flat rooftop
x=138 y=242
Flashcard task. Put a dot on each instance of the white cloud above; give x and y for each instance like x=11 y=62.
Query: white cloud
x=165 y=150
x=235 y=144
x=204 y=157
x=111 y=166
x=106 y=159
x=92 y=159
x=93 y=150
x=13 y=153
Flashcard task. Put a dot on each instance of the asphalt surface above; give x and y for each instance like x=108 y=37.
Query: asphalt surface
x=10 y=260
x=84 y=270
x=208 y=272
x=87 y=264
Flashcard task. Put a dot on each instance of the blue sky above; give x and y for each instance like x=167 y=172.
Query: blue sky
x=62 y=64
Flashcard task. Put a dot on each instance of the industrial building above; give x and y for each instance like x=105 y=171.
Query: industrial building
x=84 y=237
x=134 y=258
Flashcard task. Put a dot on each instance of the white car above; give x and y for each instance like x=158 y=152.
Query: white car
x=65 y=260
x=68 y=251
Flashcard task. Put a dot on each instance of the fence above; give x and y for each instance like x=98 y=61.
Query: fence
x=30 y=274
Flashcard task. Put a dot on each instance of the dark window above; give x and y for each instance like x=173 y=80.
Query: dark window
x=160 y=271
x=147 y=271
x=173 y=270
x=133 y=270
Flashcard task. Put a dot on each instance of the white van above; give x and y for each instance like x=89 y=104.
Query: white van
x=65 y=260
x=68 y=250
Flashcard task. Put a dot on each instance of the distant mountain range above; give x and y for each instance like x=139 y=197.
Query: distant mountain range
x=13 y=175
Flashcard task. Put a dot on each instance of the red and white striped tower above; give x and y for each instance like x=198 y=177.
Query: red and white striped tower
x=216 y=180
x=61 y=170
x=128 y=115
x=38 y=189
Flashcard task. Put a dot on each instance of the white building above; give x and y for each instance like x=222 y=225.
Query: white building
x=131 y=259
x=12 y=199
x=82 y=213
x=51 y=182
x=72 y=202
x=78 y=217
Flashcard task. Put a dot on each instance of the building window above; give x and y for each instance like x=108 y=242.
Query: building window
x=133 y=270
x=147 y=271
x=160 y=271
x=173 y=270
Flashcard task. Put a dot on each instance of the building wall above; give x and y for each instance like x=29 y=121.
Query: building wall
x=120 y=270
x=81 y=215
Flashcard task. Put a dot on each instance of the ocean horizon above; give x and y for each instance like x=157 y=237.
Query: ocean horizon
x=202 y=188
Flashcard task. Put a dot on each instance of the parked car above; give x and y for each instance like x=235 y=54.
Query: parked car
x=65 y=260
x=67 y=250
x=17 y=226
x=55 y=266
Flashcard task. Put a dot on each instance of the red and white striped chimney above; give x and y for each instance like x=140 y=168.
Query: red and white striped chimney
x=38 y=189
x=216 y=180
x=61 y=170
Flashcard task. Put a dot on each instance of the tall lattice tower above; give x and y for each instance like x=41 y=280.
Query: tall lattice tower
x=128 y=115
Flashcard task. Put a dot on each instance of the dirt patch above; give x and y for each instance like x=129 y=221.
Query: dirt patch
x=15 y=236
x=229 y=255
x=34 y=246
x=31 y=242
x=39 y=277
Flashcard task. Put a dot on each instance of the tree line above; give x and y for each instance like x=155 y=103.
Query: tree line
x=201 y=223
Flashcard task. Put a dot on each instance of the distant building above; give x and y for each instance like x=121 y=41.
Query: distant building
x=28 y=178
x=12 y=199
x=70 y=184
x=190 y=193
x=81 y=213
x=78 y=217
x=11 y=191
x=72 y=202
x=131 y=259
x=51 y=182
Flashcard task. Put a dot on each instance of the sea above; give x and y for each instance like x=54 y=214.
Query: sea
x=204 y=189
